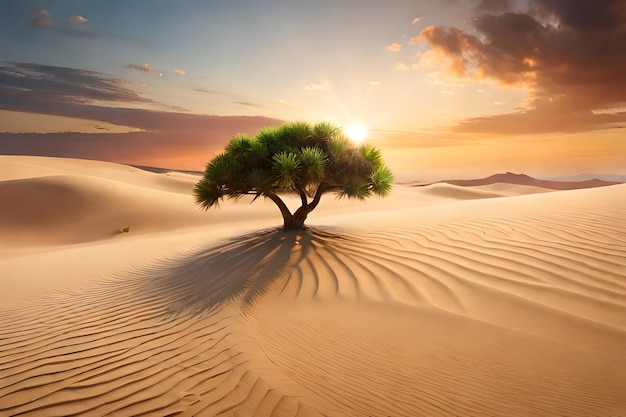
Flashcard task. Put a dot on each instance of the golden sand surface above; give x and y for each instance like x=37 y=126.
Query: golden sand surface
x=501 y=300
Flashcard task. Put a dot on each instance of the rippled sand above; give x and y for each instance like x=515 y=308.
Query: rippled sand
x=439 y=301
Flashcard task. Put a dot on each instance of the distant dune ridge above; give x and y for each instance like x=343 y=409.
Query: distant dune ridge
x=503 y=298
x=523 y=179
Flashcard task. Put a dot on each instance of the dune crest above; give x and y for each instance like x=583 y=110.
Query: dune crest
x=458 y=192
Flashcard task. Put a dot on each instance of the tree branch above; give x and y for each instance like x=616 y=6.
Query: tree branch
x=303 y=198
x=321 y=189
x=284 y=210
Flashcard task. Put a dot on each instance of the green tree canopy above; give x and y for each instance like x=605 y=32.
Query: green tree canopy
x=300 y=158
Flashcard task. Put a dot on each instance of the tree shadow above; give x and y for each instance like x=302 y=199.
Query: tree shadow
x=240 y=268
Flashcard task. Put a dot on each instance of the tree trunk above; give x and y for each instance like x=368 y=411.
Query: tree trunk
x=295 y=221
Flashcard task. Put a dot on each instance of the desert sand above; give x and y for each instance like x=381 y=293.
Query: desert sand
x=443 y=300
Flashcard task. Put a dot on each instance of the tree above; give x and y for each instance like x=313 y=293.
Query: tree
x=300 y=158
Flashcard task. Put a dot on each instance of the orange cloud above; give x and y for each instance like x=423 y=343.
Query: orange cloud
x=78 y=19
x=179 y=71
x=401 y=66
x=394 y=47
x=568 y=56
x=41 y=18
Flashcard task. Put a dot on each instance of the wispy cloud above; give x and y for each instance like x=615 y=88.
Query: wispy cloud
x=415 y=40
x=401 y=66
x=395 y=47
x=416 y=20
x=41 y=18
x=140 y=67
x=78 y=19
x=317 y=86
x=248 y=104
x=150 y=68
x=205 y=91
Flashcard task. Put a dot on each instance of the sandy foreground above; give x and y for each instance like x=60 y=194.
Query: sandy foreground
x=503 y=300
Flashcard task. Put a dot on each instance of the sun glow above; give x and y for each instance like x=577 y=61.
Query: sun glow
x=356 y=133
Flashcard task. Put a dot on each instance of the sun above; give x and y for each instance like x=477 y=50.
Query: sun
x=356 y=132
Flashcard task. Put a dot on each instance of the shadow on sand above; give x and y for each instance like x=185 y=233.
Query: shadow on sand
x=243 y=267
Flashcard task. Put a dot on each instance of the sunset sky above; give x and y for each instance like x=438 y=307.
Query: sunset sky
x=447 y=88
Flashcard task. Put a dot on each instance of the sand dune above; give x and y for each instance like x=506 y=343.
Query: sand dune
x=22 y=167
x=523 y=179
x=64 y=201
x=439 y=301
x=76 y=208
x=458 y=193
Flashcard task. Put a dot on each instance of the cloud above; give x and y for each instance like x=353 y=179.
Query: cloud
x=78 y=19
x=569 y=56
x=169 y=147
x=416 y=20
x=41 y=18
x=69 y=92
x=582 y=15
x=27 y=84
x=395 y=47
x=149 y=68
x=318 y=87
x=536 y=121
x=416 y=39
x=205 y=91
x=374 y=83
x=401 y=66
x=248 y=104
x=143 y=67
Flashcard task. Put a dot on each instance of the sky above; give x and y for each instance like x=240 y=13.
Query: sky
x=447 y=88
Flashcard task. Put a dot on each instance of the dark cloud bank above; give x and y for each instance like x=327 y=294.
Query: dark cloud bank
x=571 y=54
x=69 y=92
